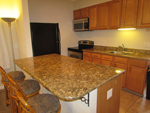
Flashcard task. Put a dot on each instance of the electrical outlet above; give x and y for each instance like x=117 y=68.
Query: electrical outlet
x=147 y=44
x=109 y=93
x=148 y=30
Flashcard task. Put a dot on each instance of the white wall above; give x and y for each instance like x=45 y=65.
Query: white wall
x=23 y=30
x=131 y=39
x=55 y=11
x=86 y=3
x=20 y=33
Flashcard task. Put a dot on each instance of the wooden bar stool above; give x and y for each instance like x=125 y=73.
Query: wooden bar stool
x=16 y=75
x=41 y=103
x=28 y=88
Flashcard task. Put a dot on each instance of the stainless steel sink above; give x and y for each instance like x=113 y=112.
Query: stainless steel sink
x=121 y=52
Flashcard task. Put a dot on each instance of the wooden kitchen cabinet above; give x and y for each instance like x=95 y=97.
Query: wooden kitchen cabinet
x=81 y=13
x=121 y=63
x=144 y=14
x=136 y=76
x=129 y=13
x=87 y=56
x=92 y=57
x=76 y=14
x=103 y=15
x=115 y=14
x=96 y=58
x=107 y=60
x=135 y=70
x=85 y=12
x=93 y=17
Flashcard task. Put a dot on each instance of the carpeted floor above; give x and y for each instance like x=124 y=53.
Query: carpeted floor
x=3 y=108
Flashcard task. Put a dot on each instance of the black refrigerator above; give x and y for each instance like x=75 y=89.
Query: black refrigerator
x=45 y=38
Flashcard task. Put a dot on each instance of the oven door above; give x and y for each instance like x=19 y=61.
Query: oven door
x=74 y=54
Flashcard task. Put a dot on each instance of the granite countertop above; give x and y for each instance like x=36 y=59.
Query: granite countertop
x=67 y=78
x=135 y=53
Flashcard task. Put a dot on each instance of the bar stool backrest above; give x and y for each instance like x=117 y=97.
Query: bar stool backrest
x=4 y=78
x=24 y=107
x=13 y=87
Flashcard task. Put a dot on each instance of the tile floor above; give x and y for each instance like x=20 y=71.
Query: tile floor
x=130 y=103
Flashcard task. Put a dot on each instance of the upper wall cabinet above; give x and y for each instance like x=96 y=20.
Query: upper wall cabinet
x=93 y=17
x=115 y=14
x=144 y=14
x=129 y=13
x=81 y=13
x=103 y=15
x=84 y=12
x=76 y=14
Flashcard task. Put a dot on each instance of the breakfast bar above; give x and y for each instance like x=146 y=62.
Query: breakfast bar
x=68 y=78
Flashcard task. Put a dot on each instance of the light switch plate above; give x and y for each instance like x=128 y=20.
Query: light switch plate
x=109 y=93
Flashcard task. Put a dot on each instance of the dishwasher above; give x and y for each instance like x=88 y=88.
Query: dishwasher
x=148 y=84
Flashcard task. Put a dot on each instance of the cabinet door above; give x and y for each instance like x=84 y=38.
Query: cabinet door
x=76 y=14
x=93 y=16
x=144 y=14
x=136 y=79
x=114 y=14
x=129 y=13
x=103 y=16
x=84 y=12
x=124 y=75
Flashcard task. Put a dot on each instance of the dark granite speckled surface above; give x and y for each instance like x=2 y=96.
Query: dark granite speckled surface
x=136 y=53
x=67 y=78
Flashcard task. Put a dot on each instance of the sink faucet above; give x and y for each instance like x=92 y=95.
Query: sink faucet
x=122 y=47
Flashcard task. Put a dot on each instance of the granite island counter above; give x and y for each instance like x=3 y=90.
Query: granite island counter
x=67 y=78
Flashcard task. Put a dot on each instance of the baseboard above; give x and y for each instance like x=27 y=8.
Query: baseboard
x=1 y=87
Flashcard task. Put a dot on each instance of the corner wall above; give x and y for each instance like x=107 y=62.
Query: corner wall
x=23 y=30
x=55 y=11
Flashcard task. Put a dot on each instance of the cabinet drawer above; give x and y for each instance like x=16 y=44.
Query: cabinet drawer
x=121 y=60
x=107 y=63
x=87 y=54
x=138 y=63
x=95 y=55
x=107 y=57
x=95 y=60
x=86 y=58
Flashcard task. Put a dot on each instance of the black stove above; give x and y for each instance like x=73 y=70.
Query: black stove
x=76 y=52
x=75 y=49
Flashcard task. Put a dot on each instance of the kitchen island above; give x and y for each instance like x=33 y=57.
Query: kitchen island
x=68 y=78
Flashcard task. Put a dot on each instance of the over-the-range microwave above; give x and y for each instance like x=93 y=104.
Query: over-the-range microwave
x=81 y=24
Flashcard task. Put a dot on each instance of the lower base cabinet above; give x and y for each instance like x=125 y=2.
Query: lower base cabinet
x=135 y=75
x=106 y=104
x=124 y=75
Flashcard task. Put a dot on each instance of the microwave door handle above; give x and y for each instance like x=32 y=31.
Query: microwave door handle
x=83 y=25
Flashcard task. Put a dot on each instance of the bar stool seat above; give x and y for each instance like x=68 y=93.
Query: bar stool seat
x=29 y=86
x=44 y=103
x=16 y=75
